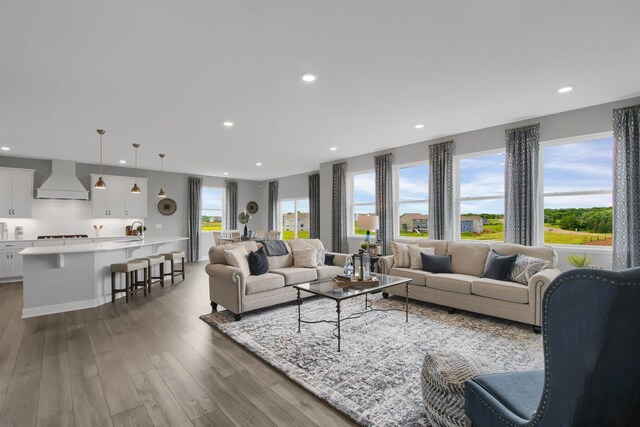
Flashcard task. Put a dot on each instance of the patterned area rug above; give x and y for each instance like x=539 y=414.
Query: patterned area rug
x=375 y=379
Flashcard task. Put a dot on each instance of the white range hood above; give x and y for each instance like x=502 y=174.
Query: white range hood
x=63 y=183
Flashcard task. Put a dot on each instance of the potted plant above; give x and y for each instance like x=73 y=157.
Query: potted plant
x=579 y=261
x=244 y=219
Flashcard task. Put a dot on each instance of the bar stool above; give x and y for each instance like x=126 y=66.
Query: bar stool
x=172 y=257
x=129 y=268
x=151 y=261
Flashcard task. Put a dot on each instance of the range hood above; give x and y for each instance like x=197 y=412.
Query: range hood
x=63 y=183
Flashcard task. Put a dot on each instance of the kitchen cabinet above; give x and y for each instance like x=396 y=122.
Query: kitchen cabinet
x=16 y=193
x=11 y=260
x=117 y=201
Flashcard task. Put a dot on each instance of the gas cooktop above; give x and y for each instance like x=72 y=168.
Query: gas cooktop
x=64 y=236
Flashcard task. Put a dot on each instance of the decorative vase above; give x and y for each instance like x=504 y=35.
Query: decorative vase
x=245 y=230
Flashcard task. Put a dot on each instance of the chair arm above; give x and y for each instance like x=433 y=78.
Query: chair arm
x=227 y=286
x=385 y=263
x=538 y=284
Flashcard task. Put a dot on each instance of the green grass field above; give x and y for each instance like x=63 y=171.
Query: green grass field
x=288 y=235
x=212 y=226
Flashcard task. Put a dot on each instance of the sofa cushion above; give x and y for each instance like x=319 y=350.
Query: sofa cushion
x=239 y=258
x=436 y=263
x=498 y=266
x=468 y=258
x=305 y=257
x=417 y=276
x=305 y=243
x=293 y=275
x=281 y=261
x=326 y=271
x=258 y=262
x=440 y=246
x=216 y=253
x=500 y=289
x=416 y=259
x=401 y=257
x=546 y=253
x=525 y=267
x=458 y=283
x=264 y=282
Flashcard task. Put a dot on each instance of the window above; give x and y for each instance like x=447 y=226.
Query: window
x=363 y=199
x=212 y=208
x=412 y=204
x=481 y=196
x=577 y=191
x=294 y=219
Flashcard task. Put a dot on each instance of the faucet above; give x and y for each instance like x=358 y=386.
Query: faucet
x=133 y=228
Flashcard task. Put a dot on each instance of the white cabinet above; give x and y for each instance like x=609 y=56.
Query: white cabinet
x=16 y=193
x=11 y=260
x=117 y=201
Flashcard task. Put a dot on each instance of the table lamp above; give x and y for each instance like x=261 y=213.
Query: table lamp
x=368 y=222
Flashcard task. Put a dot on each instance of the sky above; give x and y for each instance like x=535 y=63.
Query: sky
x=212 y=198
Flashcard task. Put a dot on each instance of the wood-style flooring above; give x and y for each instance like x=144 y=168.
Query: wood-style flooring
x=151 y=362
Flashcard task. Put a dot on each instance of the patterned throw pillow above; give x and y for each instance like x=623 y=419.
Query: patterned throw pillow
x=401 y=257
x=305 y=258
x=525 y=267
x=237 y=257
x=416 y=259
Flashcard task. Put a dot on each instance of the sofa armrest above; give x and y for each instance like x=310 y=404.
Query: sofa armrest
x=227 y=286
x=385 y=263
x=538 y=285
x=339 y=259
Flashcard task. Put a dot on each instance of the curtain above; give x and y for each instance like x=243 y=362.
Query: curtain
x=195 y=218
x=339 y=241
x=441 y=191
x=521 y=185
x=384 y=199
x=232 y=205
x=626 y=188
x=273 y=206
x=314 y=206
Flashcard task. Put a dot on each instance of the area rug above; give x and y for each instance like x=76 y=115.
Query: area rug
x=375 y=379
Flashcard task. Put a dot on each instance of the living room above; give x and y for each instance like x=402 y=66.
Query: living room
x=319 y=213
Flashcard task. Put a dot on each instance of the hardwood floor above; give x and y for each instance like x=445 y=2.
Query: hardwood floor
x=151 y=362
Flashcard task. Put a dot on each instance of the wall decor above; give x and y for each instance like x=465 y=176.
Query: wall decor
x=252 y=207
x=167 y=206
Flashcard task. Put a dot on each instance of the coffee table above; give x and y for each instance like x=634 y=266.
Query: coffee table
x=328 y=288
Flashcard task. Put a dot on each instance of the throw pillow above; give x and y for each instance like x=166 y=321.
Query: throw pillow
x=305 y=258
x=436 y=263
x=328 y=259
x=321 y=257
x=414 y=254
x=525 y=267
x=401 y=257
x=258 y=262
x=237 y=257
x=499 y=266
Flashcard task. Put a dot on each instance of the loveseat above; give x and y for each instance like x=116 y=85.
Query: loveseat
x=465 y=289
x=240 y=292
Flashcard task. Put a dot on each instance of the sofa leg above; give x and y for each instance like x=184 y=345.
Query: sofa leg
x=237 y=317
x=451 y=310
x=536 y=329
x=214 y=306
x=385 y=295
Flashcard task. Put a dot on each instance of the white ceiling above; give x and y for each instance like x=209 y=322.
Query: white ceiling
x=167 y=74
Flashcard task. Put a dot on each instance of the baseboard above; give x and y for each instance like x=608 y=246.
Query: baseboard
x=58 y=308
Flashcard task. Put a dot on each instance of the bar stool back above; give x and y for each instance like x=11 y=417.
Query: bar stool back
x=129 y=268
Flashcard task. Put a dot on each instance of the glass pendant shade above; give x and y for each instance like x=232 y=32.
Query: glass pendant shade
x=136 y=189
x=100 y=184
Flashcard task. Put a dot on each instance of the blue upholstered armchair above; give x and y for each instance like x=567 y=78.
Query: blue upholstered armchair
x=591 y=336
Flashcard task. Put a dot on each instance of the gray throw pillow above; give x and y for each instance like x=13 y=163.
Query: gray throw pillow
x=525 y=267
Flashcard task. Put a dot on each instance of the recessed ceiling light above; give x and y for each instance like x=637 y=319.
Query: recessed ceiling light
x=565 y=89
x=123 y=161
x=228 y=124
x=309 y=78
x=5 y=148
x=225 y=173
x=258 y=164
x=333 y=148
x=419 y=126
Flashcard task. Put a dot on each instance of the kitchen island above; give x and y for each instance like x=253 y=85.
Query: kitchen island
x=65 y=278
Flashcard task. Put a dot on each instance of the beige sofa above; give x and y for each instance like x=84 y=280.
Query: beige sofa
x=241 y=293
x=465 y=288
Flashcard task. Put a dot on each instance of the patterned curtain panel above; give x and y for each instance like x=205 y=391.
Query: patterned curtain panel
x=195 y=218
x=314 y=206
x=232 y=205
x=384 y=199
x=626 y=188
x=521 y=185
x=273 y=206
x=339 y=241
x=441 y=191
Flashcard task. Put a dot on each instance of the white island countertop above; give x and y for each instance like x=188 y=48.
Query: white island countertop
x=125 y=243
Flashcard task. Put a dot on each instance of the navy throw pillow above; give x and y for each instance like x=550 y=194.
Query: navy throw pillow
x=498 y=266
x=258 y=262
x=436 y=263
x=328 y=259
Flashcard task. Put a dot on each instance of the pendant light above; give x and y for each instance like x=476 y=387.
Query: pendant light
x=136 y=189
x=100 y=184
x=161 y=193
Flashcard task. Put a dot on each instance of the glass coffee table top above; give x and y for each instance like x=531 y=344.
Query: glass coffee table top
x=329 y=288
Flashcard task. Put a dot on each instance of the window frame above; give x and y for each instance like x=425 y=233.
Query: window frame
x=396 y=196
x=542 y=194
x=457 y=233
x=223 y=209
x=350 y=203
x=295 y=201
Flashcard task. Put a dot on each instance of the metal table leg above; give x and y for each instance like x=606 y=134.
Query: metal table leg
x=299 y=303
x=406 y=307
x=338 y=311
